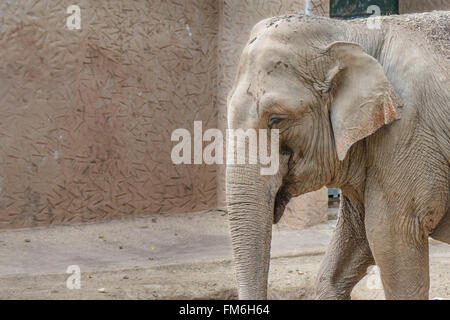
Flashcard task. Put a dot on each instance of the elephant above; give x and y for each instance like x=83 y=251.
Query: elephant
x=362 y=109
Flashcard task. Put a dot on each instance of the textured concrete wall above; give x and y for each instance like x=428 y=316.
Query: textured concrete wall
x=414 y=6
x=87 y=114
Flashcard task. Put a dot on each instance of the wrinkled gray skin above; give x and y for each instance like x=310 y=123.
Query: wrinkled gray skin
x=363 y=110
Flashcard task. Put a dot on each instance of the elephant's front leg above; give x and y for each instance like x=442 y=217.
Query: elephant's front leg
x=348 y=256
x=400 y=251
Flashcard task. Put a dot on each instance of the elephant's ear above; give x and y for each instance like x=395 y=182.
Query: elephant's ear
x=361 y=97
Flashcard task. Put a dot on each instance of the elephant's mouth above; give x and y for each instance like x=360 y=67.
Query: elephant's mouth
x=281 y=201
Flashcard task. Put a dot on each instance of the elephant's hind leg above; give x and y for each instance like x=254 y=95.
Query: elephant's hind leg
x=348 y=256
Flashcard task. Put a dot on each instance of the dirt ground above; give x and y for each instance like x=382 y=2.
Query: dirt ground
x=144 y=259
x=290 y=278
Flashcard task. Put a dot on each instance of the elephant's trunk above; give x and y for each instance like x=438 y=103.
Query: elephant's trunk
x=250 y=202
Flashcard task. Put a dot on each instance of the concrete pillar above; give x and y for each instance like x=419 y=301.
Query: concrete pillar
x=319 y=7
x=237 y=18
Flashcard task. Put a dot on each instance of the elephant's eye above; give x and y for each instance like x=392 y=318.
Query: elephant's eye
x=274 y=119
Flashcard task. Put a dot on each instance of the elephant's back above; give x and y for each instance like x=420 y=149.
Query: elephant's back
x=434 y=27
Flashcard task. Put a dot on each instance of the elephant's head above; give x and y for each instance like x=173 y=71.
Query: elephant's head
x=323 y=97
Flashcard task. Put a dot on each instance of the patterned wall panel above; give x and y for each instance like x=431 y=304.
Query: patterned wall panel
x=87 y=114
